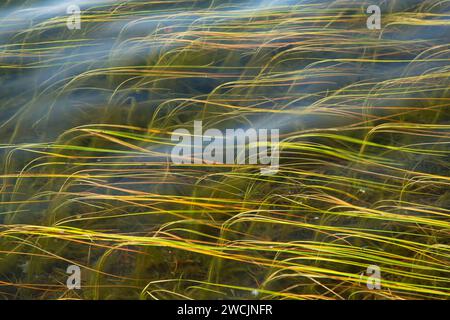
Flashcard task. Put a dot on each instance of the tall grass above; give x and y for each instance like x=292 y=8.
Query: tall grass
x=86 y=177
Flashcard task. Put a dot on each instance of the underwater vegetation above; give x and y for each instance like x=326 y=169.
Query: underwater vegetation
x=86 y=178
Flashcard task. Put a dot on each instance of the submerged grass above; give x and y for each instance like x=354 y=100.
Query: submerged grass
x=86 y=178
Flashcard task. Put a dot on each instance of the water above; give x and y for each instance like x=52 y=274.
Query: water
x=136 y=71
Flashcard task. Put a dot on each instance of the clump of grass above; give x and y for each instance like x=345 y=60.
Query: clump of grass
x=364 y=175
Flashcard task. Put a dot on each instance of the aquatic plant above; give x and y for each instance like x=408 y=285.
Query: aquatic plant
x=85 y=139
